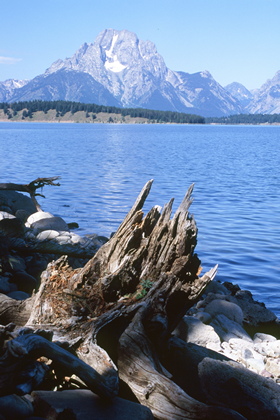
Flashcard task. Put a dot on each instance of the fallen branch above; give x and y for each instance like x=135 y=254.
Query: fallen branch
x=26 y=347
x=31 y=187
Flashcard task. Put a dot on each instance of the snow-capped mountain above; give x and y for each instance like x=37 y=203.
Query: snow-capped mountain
x=239 y=92
x=8 y=87
x=119 y=69
x=266 y=100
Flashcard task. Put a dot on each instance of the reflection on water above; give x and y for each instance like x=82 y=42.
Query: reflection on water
x=104 y=167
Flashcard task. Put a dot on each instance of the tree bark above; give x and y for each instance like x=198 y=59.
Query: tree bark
x=15 y=311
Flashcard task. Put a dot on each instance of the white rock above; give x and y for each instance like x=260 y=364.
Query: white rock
x=244 y=349
x=39 y=215
x=47 y=222
x=5 y=215
x=260 y=337
x=243 y=352
x=268 y=348
x=47 y=235
x=76 y=239
x=255 y=365
x=63 y=239
x=229 y=352
x=273 y=366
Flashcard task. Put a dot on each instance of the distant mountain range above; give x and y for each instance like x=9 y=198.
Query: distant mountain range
x=120 y=70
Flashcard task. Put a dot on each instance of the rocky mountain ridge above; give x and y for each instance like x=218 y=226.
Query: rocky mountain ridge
x=120 y=70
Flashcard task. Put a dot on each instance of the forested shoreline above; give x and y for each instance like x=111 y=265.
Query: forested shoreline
x=28 y=111
x=245 y=119
x=29 y=108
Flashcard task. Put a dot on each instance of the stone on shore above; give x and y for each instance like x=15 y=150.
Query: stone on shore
x=13 y=201
x=32 y=240
x=229 y=309
x=192 y=330
x=42 y=220
x=229 y=383
x=221 y=320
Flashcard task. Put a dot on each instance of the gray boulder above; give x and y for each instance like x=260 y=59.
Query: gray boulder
x=229 y=309
x=6 y=286
x=14 y=201
x=192 y=330
x=255 y=313
x=232 y=385
x=24 y=281
x=227 y=329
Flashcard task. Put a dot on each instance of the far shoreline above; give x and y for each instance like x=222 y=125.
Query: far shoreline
x=10 y=120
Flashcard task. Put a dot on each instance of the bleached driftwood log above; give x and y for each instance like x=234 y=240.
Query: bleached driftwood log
x=126 y=301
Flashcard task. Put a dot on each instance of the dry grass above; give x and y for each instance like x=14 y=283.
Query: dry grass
x=78 y=117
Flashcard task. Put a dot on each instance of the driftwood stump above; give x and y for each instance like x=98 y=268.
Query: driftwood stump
x=124 y=303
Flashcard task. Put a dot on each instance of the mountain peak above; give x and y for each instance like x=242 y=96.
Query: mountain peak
x=240 y=92
x=206 y=74
x=119 y=69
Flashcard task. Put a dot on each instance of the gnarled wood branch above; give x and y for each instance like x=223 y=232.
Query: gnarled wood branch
x=26 y=347
x=31 y=187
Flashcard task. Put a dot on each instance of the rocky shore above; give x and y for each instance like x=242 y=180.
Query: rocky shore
x=30 y=239
x=230 y=343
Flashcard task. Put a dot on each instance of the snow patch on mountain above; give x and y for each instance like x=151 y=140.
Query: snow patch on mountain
x=112 y=63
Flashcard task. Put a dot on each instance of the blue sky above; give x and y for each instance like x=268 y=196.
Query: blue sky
x=236 y=40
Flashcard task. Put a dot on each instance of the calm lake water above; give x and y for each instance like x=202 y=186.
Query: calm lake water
x=103 y=168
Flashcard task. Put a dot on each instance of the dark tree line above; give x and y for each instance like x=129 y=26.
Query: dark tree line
x=62 y=107
x=245 y=119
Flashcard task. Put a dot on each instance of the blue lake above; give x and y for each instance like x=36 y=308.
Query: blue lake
x=103 y=167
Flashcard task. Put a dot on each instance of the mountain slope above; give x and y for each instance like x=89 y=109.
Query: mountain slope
x=119 y=69
x=8 y=88
x=266 y=100
x=65 y=85
x=240 y=93
x=207 y=95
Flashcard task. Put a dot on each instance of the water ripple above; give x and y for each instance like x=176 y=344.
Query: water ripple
x=104 y=167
